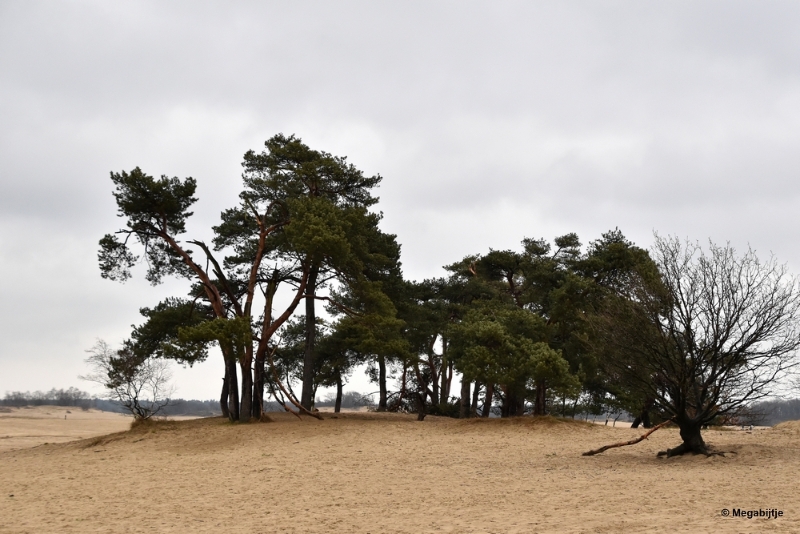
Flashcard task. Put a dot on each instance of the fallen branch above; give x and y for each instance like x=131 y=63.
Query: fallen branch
x=282 y=403
x=624 y=443
x=288 y=396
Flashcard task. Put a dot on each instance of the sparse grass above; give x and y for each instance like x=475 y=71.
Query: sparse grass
x=546 y=421
x=94 y=442
x=152 y=425
x=790 y=426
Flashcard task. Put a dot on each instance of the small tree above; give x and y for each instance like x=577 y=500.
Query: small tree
x=140 y=384
x=715 y=333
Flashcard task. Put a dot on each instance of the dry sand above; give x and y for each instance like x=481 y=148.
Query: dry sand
x=389 y=473
x=22 y=428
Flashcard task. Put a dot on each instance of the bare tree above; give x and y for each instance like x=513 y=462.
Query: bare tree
x=140 y=384
x=715 y=333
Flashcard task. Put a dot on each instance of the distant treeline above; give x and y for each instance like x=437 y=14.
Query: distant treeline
x=199 y=408
x=350 y=399
x=202 y=408
x=57 y=397
x=770 y=413
x=82 y=399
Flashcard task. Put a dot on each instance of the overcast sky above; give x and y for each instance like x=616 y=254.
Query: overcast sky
x=489 y=121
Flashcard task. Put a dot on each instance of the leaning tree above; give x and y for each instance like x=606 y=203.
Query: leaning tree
x=302 y=221
x=714 y=332
x=156 y=212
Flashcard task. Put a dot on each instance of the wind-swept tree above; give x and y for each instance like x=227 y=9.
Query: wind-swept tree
x=302 y=222
x=714 y=333
x=613 y=266
x=156 y=211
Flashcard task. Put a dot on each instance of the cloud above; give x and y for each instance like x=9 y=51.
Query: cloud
x=489 y=123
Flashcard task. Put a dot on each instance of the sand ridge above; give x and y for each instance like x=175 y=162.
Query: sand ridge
x=389 y=473
x=34 y=425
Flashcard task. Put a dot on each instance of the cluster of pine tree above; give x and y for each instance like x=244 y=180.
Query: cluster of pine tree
x=517 y=326
x=537 y=330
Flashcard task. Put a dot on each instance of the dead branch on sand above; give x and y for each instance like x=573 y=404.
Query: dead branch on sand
x=288 y=396
x=282 y=403
x=624 y=443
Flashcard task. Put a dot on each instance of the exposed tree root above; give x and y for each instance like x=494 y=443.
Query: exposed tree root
x=680 y=450
x=683 y=448
x=624 y=443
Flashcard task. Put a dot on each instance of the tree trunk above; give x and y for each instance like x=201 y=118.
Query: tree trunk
x=306 y=395
x=246 y=410
x=488 y=397
x=446 y=374
x=463 y=412
x=446 y=391
x=403 y=393
x=644 y=417
x=435 y=397
x=233 y=389
x=692 y=440
x=444 y=388
x=473 y=409
x=513 y=403
x=539 y=405
x=382 y=383
x=338 y=406
x=420 y=397
x=519 y=409
x=223 y=397
x=421 y=393
x=258 y=389
x=260 y=359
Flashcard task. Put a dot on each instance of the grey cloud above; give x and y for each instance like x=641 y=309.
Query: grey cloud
x=489 y=123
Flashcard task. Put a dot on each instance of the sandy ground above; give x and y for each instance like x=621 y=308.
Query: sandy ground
x=22 y=428
x=30 y=426
x=389 y=473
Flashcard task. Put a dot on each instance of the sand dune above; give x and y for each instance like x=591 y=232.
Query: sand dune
x=34 y=425
x=389 y=473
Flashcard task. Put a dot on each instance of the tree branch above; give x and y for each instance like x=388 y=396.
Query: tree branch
x=625 y=443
